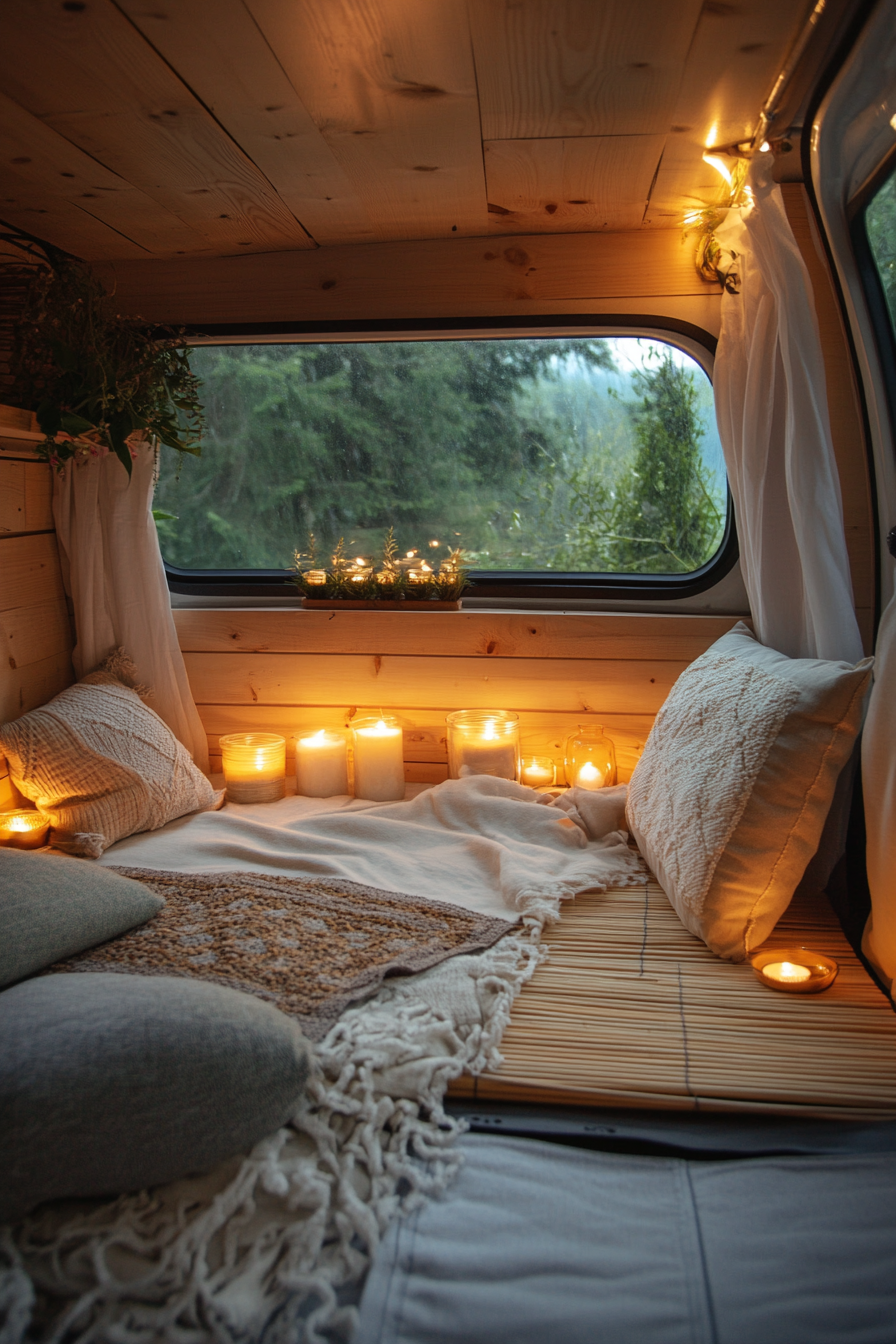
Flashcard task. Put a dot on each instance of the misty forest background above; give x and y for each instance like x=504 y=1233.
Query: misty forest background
x=561 y=454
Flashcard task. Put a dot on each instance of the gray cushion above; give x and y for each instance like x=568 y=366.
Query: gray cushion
x=116 y=1082
x=53 y=907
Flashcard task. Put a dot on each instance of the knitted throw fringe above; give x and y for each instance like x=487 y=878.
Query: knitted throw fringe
x=273 y=1248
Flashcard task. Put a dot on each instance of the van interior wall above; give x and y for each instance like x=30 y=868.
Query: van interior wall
x=35 y=627
x=290 y=670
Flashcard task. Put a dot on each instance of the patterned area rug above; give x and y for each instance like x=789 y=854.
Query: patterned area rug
x=310 y=946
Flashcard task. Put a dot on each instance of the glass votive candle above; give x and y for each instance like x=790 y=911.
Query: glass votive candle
x=322 y=764
x=537 y=771
x=794 y=970
x=484 y=742
x=590 y=759
x=254 y=767
x=23 y=828
x=378 y=753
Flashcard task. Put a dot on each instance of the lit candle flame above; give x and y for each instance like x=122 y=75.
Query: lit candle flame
x=488 y=731
x=589 y=773
x=788 y=970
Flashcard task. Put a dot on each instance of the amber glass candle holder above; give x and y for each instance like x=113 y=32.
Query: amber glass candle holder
x=23 y=828
x=794 y=970
x=484 y=742
x=254 y=767
x=590 y=761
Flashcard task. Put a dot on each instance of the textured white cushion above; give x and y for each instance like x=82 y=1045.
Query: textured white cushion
x=729 y=799
x=102 y=765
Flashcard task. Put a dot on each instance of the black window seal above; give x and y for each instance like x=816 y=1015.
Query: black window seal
x=490 y=584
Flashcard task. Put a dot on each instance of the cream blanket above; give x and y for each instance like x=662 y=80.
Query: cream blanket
x=486 y=844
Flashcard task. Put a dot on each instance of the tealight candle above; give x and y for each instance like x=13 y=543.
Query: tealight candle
x=483 y=742
x=537 y=771
x=23 y=828
x=589 y=777
x=254 y=767
x=322 y=765
x=795 y=970
x=316 y=577
x=378 y=760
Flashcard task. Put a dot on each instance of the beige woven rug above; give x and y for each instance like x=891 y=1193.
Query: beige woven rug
x=310 y=946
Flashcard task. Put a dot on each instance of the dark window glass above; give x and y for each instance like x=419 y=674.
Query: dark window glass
x=880 y=225
x=576 y=455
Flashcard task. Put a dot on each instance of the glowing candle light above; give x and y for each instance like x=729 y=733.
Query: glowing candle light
x=537 y=771
x=23 y=828
x=787 y=971
x=589 y=777
x=379 y=760
x=322 y=765
x=254 y=767
x=483 y=742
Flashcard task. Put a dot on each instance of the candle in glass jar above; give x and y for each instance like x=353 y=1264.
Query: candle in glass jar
x=537 y=772
x=254 y=767
x=589 y=777
x=378 y=760
x=483 y=742
x=23 y=828
x=322 y=765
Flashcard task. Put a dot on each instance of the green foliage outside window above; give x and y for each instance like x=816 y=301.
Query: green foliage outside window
x=880 y=221
x=529 y=454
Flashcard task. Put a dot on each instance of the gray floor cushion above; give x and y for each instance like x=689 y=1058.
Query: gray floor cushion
x=538 y=1243
x=52 y=906
x=116 y=1082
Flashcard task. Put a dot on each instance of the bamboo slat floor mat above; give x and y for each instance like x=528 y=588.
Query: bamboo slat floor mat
x=631 y=1009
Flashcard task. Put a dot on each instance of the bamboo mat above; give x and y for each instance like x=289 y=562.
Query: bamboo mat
x=632 y=1010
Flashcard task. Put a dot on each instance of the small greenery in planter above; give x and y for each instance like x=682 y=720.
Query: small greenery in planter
x=95 y=381
x=407 y=578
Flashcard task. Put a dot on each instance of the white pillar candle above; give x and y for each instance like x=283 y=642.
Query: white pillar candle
x=254 y=767
x=379 y=760
x=322 y=765
x=589 y=777
x=483 y=742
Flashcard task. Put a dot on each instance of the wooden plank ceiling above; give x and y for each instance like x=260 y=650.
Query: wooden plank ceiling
x=163 y=128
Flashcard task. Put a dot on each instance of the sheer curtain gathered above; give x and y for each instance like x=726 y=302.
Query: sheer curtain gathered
x=114 y=575
x=772 y=410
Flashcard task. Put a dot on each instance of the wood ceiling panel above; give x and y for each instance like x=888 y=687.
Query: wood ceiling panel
x=737 y=53
x=47 y=168
x=581 y=185
x=221 y=54
x=579 y=67
x=87 y=73
x=392 y=88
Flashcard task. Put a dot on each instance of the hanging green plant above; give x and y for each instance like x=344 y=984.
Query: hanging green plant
x=96 y=381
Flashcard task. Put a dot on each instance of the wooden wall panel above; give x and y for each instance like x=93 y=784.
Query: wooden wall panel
x=847 y=426
x=26 y=497
x=294 y=672
x=461 y=277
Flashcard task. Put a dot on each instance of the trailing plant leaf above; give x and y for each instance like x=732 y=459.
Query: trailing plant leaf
x=96 y=381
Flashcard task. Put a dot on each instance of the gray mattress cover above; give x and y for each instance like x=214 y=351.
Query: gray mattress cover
x=538 y=1242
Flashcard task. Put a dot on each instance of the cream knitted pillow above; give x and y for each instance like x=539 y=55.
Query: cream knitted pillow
x=729 y=799
x=102 y=765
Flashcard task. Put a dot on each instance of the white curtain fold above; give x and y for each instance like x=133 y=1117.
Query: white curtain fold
x=772 y=411
x=114 y=575
x=879 y=789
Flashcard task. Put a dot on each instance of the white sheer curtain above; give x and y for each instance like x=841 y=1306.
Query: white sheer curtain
x=113 y=572
x=772 y=411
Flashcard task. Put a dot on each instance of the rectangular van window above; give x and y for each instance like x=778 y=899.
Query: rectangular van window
x=880 y=225
x=575 y=455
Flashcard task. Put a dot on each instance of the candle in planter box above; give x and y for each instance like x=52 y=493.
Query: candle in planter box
x=483 y=742
x=378 y=760
x=322 y=765
x=254 y=767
